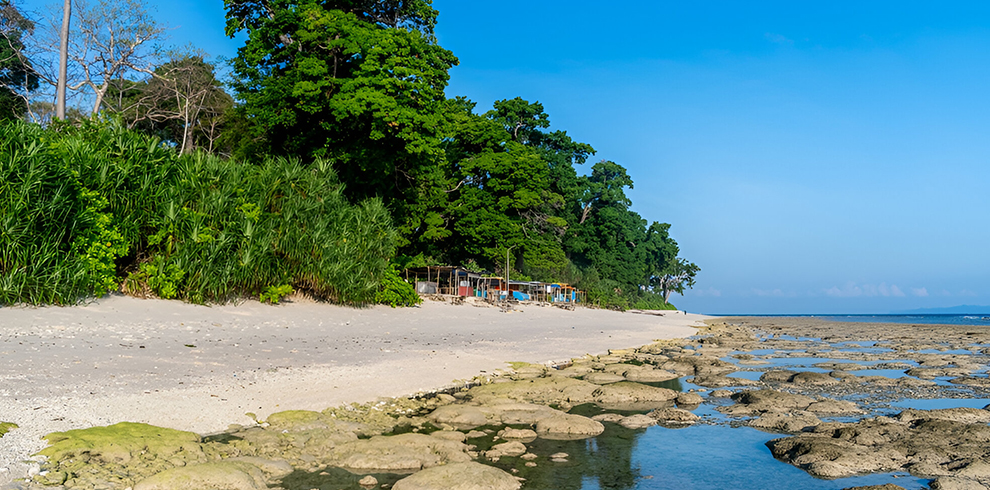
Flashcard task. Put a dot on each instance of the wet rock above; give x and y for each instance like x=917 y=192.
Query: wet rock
x=839 y=366
x=963 y=415
x=607 y=417
x=673 y=416
x=604 y=378
x=404 y=452
x=450 y=435
x=689 y=399
x=568 y=426
x=630 y=394
x=649 y=375
x=812 y=378
x=720 y=394
x=513 y=448
x=723 y=381
x=829 y=458
x=459 y=416
x=638 y=421
x=757 y=401
x=543 y=391
x=835 y=407
x=929 y=373
x=575 y=371
x=782 y=422
x=510 y=412
x=273 y=469
x=971 y=381
x=520 y=434
x=843 y=376
x=777 y=376
x=888 y=486
x=225 y=475
x=956 y=483
x=460 y=476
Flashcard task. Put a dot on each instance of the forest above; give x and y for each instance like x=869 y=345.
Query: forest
x=324 y=158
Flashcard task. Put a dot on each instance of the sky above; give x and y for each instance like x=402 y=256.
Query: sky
x=812 y=157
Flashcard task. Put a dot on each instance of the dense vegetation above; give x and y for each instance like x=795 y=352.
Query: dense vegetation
x=341 y=154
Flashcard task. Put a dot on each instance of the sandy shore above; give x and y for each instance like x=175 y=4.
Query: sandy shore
x=201 y=368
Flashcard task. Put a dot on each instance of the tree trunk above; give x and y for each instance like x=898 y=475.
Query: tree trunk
x=63 y=61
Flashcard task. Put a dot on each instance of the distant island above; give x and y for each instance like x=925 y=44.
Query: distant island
x=953 y=310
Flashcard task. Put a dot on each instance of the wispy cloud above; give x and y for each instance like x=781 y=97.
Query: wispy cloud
x=710 y=292
x=853 y=290
x=778 y=39
x=774 y=293
x=920 y=292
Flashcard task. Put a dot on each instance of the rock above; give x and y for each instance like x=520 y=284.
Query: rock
x=459 y=476
x=565 y=426
x=459 y=416
x=530 y=464
x=971 y=381
x=955 y=483
x=888 y=486
x=812 y=378
x=977 y=470
x=645 y=374
x=522 y=434
x=120 y=443
x=777 y=376
x=388 y=454
x=604 y=378
x=512 y=449
x=474 y=434
x=723 y=381
x=932 y=373
x=963 y=415
x=673 y=416
x=637 y=422
x=544 y=391
x=827 y=458
x=528 y=457
x=608 y=417
x=835 y=407
x=689 y=399
x=575 y=371
x=750 y=402
x=528 y=371
x=781 y=422
x=628 y=394
x=839 y=366
x=368 y=482
x=273 y=469
x=225 y=475
x=720 y=394
x=560 y=455
x=450 y=435
x=510 y=412
x=445 y=399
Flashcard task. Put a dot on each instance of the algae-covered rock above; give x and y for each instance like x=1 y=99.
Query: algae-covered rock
x=225 y=475
x=644 y=374
x=459 y=416
x=566 y=426
x=120 y=443
x=638 y=421
x=512 y=448
x=273 y=469
x=629 y=394
x=460 y=476
x=673 y=417
x=5 y=427
x=517 y=434
x=546 y=391
x=604 y=378
x=401 y=453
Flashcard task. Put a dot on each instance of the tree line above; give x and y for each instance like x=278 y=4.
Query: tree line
x=360 y=86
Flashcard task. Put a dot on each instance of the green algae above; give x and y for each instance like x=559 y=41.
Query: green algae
x=6 y=427
x=118 y=455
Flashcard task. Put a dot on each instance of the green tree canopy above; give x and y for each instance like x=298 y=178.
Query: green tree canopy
x=17 y=77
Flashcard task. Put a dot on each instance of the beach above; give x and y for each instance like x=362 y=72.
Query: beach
x=200 y=368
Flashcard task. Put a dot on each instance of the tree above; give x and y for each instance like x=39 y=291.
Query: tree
x=17 y=75
x=675 y=278
x=110 y=41
x=180 y=101
x=359 y=82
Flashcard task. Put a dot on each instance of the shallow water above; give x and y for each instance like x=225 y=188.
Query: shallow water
x=939 y=403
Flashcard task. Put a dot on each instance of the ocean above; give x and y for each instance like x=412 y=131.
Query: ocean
x=941 y=319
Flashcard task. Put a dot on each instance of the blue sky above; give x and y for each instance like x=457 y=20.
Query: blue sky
x=812 y=157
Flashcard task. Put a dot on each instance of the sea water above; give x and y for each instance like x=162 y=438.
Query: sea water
x=943 y=319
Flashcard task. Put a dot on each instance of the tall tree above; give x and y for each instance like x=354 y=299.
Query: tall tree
x=181 y=101
x=110 y=41
x=17 y=75
x=359 y=82
x=63 y=60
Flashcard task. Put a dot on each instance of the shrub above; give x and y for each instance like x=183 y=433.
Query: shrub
x=395 y=292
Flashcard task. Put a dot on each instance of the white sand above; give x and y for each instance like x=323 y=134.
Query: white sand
x=201 y=368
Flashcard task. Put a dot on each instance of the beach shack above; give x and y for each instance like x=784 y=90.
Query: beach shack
x=460 y=282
